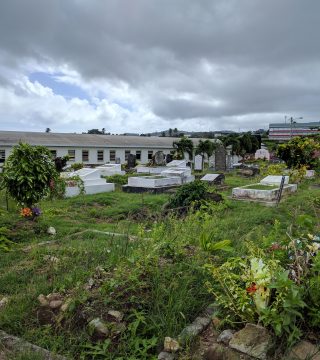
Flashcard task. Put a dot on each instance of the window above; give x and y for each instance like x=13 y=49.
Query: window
x=100 y=155
x=85 y=155
x=72 y=155
x=2 y=156
x=53 y=153
x=126 y=154
x=150 y=154
x=138 y=154
x=112 y=155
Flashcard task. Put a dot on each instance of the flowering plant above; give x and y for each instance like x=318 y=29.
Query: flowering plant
x=32 y=212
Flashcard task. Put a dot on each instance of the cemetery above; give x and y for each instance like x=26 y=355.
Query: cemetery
x=123 y=275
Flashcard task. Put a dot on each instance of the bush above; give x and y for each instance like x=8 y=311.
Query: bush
x=118 y=179
x=300 y=151
x=188 y=193
x=27 y=174
x=76 y=166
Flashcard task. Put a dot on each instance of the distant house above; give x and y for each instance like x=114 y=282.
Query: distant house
x=281 y=131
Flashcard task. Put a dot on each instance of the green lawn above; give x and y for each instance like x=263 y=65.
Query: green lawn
x=153 y=273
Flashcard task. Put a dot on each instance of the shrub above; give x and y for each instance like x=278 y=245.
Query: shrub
x=300 y=151
x=76 y=166
x=27 y=174
x=118 y=179
x=188 y=193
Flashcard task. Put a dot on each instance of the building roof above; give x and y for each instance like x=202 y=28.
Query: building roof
x=301 y=125
x=11 y=138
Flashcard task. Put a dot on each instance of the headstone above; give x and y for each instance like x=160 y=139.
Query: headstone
x=169 y=158
x=213 y=179
x=262 y=154
x=198 y=162
x=118 y=160
x=131 y=161
x=274 y=180
x=310 y=174
x=220 y=159
x=159 y=158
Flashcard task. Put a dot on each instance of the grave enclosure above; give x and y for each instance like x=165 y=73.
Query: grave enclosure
x=261 y=193
x=92 y=181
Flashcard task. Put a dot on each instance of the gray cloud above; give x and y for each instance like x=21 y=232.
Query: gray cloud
x=205 y=60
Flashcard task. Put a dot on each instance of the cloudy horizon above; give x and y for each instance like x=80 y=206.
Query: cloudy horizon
x=142 y=66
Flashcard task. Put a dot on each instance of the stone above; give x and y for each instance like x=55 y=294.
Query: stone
x=274 y=180
x=159 y=158
x=216 y=322
x=117 y=315
x=43 y=300
x=66 y=305
x=55 y=304
x=164 y=355
x=3 y=302
x=213 y=179
x=225 y=337
x=131 y=161
x=198 y=162
x=171 y=345
x=54 y=296
x=304 y=350
x=253 y=340
x=99 y=327
x=51 y=230
x=219 y=352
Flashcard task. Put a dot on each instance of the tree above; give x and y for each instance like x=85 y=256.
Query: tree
x=48 y=130
x=205 y=147
x=175 y=132
x=170 y=132
x=184 y=145
x=28 y=173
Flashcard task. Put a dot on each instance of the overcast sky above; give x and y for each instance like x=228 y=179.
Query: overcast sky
x=147 y=65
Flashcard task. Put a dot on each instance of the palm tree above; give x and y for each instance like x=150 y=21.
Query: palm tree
x=184 y=145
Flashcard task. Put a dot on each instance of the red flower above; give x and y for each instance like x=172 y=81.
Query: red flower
x=251 y=289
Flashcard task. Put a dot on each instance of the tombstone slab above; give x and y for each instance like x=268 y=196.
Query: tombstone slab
x=214 y=179
x=274 y=180
x=177 y=163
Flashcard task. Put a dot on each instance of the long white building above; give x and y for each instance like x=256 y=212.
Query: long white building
x=90 y=149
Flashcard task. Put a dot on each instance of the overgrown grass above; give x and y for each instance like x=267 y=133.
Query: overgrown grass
x=153 y=273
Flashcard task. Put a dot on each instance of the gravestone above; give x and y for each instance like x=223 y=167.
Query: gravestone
x=262 y=154
x=220 y=159
x=159 y=158
x=118 y=160
x=198 y=162
x=169 y=158
x=213 y=179
x=131 y=161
